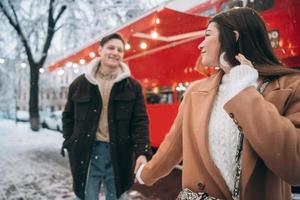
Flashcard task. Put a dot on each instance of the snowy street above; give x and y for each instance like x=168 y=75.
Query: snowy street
x=31 y=168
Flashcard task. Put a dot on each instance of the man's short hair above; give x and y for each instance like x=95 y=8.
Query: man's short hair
x=111 y=36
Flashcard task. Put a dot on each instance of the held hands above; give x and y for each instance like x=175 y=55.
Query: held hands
x=139 y=165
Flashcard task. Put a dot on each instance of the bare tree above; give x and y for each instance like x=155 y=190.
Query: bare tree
x=11 y=14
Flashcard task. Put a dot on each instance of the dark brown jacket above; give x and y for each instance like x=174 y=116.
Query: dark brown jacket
x=128 y=129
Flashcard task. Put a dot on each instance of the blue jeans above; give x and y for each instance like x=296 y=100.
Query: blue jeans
x=100 y=170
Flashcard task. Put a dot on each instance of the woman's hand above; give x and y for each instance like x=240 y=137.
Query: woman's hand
x=140 y=163
x=242 y=76
x=244 y=61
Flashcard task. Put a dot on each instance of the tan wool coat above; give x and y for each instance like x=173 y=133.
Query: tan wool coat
x=271 y=148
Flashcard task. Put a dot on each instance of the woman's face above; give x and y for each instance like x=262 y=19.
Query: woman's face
x=210 y=46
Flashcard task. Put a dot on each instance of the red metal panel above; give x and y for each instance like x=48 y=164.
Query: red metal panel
x=161 y=119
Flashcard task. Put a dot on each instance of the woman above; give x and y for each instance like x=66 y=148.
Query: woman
x=237 y=131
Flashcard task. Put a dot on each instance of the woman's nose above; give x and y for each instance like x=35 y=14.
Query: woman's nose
x=200 y=46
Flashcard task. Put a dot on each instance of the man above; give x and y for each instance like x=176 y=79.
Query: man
x=105 y=125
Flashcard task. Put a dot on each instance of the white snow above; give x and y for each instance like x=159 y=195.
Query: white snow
x=31 y=167
x=30 y=164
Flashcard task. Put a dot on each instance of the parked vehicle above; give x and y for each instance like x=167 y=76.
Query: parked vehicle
x=22 y=116
x=53 y=121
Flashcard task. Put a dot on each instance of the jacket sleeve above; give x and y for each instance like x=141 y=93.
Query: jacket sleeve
x=68 y=115
x=274 y=137
x=169 y=153
x=140 y=126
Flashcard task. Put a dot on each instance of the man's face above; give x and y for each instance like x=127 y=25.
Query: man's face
x=112 y=53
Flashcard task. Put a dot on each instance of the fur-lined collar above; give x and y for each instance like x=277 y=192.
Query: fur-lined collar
x=91 y=68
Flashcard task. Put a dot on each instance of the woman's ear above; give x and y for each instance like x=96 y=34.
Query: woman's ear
x=237 y=35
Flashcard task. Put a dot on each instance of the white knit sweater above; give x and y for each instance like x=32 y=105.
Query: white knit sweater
x=222 y=131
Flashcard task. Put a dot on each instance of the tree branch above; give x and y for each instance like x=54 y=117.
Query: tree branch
x=59 y=28
x=18 y=29
x=62 y=9
x=11 y=21
x=14 y=12
x=51 y=30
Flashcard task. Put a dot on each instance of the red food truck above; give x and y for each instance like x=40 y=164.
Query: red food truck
x=161 y=50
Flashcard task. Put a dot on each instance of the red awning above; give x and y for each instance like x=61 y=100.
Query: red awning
x=179 y=33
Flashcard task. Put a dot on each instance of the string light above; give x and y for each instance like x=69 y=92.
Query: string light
x=41 y=70
x=127 y=46
x=23 y=65
x=92 y=54
x=157 y=21
x=2 y=60
x=82 y=61
x=154 y=35
x=143 y=45
x=69 y=64
x=75 y=65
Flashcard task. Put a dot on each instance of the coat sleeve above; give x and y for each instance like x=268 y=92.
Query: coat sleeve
x=169 y=153
x=274 y=137
x=140 y=126
x=68 y=115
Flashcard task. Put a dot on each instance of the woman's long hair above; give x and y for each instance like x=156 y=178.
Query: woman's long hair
x=253 y=41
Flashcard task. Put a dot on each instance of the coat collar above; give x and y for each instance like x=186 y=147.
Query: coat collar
x=92 y=67
x=209 y=84
x=273 y=85
x=205 y=93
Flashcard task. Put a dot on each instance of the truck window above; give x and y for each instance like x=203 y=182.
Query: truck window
x=163 y=95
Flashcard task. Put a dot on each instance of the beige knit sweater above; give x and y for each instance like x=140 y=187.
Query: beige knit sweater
x=105 y=84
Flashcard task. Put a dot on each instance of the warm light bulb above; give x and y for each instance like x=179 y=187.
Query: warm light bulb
x=23 y=65
x=157 y=21
x=82 y=61
x=69 y=64
x=154 y=35
x=143 y=45
x=41 y=70
x=127 y=46
x=92 y=54
x=75 y=65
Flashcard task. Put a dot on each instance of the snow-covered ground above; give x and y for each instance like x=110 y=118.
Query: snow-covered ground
x=31 y=167
x=30 y=164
